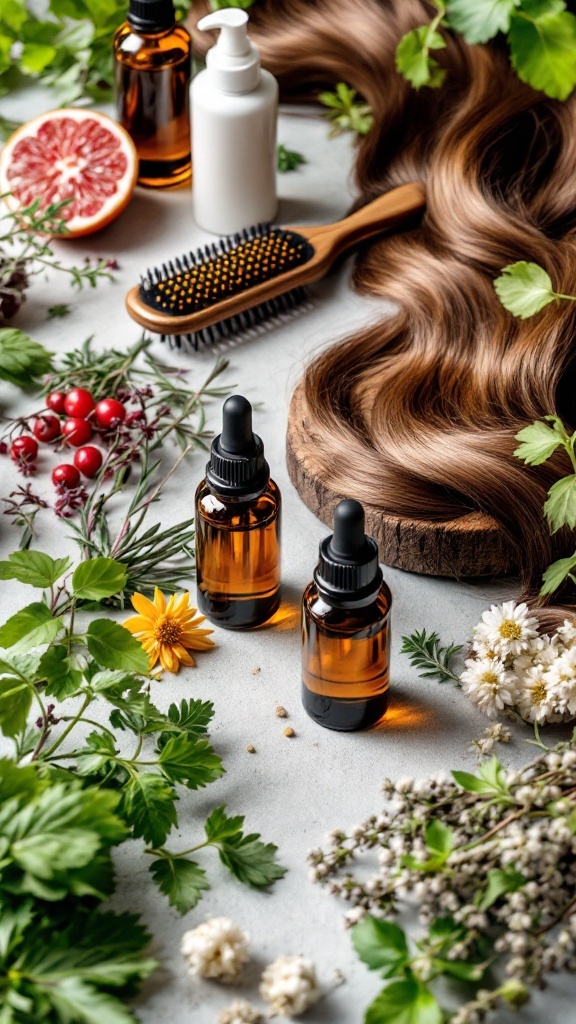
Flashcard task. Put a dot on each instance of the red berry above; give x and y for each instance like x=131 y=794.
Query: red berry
x=110 y=411
x=78 y=403
x=55 y=401
x=47 y=427
x=88 y=460
x=77 y=432
x=24 y=449
x=66 y=476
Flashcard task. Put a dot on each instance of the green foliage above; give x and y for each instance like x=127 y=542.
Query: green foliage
x=557 y=574
x=490 y=781
x=439 y=841
x=218 y=5
x=541 y=35
x=148 y=804
x=250 y=860
x=540 y=441
x=114 y=647
x=382 y=945
x=524 y=289
x=34 y=625
x=429 y=657
x=97 y=578
x=500 y=882
x=288 y=159
x=22 y=361
x=181 y=880
x=33 y=567
x=404 y=1002
x=58 y=311
x=413 y=57
x=345 y=112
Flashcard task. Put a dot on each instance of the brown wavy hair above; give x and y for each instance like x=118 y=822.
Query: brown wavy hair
x=426 y=402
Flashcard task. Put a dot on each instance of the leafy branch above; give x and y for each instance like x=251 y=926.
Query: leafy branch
x=345 y=112
x=541 y=37
x=429 y=657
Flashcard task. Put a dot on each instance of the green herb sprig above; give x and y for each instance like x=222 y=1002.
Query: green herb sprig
x=345 y=112
x=431 y=659
x=288 y=159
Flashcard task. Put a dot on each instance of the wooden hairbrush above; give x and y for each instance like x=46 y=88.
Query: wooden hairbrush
x=258 y=273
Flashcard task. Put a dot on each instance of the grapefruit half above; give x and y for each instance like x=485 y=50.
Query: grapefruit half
x=80 y=155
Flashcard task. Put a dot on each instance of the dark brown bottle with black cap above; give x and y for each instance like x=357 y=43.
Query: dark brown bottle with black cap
x=238 y=526
x=346 y=628
x=152 y=66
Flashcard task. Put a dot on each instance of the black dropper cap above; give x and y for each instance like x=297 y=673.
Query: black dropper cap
x=151 y=15
x=237 y=467
x=348 y=573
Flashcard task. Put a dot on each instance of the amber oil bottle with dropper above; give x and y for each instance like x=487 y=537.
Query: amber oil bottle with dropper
x=238 y=526
x=346 y=628
x=152 y=67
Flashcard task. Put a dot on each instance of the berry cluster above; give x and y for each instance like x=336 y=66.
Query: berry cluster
x=83 y=417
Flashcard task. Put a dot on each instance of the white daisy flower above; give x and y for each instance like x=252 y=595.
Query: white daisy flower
x=537 y=697
x=489 y=684
x=508 y=628
x=562 y=675
x=567 y=632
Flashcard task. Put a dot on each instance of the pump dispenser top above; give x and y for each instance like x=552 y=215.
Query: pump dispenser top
x=234 y=62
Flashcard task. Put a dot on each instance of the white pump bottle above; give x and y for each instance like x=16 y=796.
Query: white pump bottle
x=234 y=104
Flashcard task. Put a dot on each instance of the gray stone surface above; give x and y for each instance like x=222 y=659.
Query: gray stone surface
x=293 y=791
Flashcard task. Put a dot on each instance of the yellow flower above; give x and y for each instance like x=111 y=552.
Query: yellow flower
x=168 y=631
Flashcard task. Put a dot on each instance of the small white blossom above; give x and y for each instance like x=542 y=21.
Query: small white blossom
x=218 y=948
x=240 y=1012
x=536 y=698
x=289 y=986
x=489 y=685
x=567 y=632
x=507 y=628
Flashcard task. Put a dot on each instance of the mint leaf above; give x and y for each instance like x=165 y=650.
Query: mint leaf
x=464 y=970
x=33 y=567
x=542 y=41
x=219 y=826
x=404 y=1002
x=524 y=289
x=22 y=361
x=560 y=508
x=33 y=624
x=480 y=20
x=114 y=647
x=62 y=679
x=148 y=806
x=251 y=861
x=556 y=574
x=98 y=578
x=191 y=762
x=539 y=442
x=182 y=881
x=491 y=779
x=499 y=883
x=381 y=945
x=413 y=59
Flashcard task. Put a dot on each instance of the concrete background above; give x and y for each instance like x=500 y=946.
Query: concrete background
x=293 y=791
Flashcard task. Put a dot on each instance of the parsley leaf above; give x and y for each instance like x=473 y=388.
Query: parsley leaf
x=148 y=806
x=181 y=880
x=542 y=41
x=191 y=762
x=345 y=112
x=480 y=20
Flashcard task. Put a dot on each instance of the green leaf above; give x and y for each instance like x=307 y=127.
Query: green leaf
x=404 y=1002
x=192 y=717
x=16 y=697
x=75 y=1001
x=62 y=679
x=191 y=762
x=22 y=361
x=500 y=882
x=97 y=578
x=542 y=41
x=18 y=781
x=219 y=5
x=114 y=647
x=464 y=970
x=413 y=59
x=471 y=783
x=439 y=839
x=33 y=567
x=345 y=112
x=97 y=753
x=182 y=881
x=539 y=442
x=524 y=289
x=251 y=861
x=288 y=159
x=219 y=826
x=381 y=945
x=480 y=20
x=560 y=508
x=35 y=57
x=556 y=574
x=148 y=806
x=33 y=624
x=491 y=779
x=429 y=657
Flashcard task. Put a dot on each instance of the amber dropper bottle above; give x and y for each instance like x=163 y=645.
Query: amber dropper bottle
x=346 y=628
x=152 y=66
x=238 y=526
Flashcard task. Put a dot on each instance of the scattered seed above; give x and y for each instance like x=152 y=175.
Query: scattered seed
x=289 y=731
x=251 y=749
x=281 y=712
x=255 y=670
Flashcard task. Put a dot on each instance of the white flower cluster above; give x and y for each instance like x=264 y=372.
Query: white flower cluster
x=514 y=668
x=218 y=949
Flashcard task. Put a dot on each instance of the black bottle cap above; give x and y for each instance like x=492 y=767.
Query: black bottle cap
x=348 y=572
x=151 y=15
x=237 y=467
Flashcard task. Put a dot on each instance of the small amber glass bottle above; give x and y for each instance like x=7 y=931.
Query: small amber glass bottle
x=152 y=66
x=346 y=628
x=238 y=526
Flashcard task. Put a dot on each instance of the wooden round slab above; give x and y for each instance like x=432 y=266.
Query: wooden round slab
x=473 y=545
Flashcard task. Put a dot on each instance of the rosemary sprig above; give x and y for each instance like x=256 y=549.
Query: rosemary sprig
x=429 y=657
